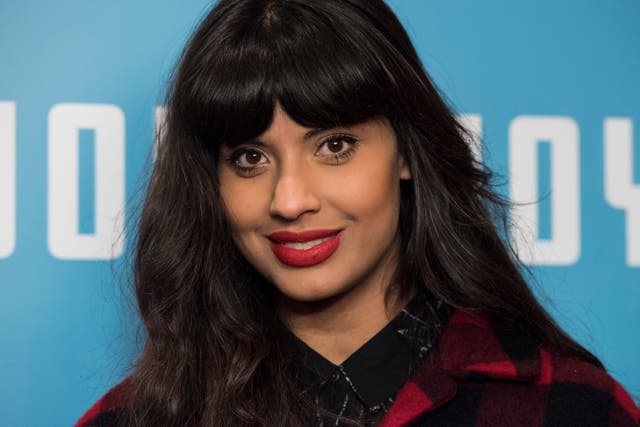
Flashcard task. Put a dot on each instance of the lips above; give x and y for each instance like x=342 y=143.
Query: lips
x=306 y=248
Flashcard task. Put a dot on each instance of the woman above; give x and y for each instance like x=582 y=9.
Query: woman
x=317 y=246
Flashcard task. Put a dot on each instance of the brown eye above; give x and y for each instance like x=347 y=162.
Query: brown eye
x=248 y=158
x=253 y=157
x=335 y=146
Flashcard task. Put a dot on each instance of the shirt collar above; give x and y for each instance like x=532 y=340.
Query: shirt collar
x=379 y=368
x=375 y=371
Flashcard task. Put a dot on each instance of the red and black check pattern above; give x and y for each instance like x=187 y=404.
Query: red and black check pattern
x=481 y=375
x=486 y=376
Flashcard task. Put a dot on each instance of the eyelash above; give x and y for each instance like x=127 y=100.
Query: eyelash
x=338 y=158
x=341 y=157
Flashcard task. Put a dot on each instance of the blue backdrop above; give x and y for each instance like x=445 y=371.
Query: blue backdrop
x=551 y=86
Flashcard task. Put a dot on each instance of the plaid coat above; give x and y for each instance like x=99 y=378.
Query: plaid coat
x=481 y=375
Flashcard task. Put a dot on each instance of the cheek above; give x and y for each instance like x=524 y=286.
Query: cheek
x=244 y=203
x=247 y=209
x=371 y=183
x=244 y=208
x=370 y=189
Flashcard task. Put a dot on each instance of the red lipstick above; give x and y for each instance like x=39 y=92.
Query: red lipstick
x=300 y=250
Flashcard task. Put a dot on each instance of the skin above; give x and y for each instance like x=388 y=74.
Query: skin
x=306 y=182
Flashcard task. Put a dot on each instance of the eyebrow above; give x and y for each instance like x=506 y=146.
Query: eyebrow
x=315 y=131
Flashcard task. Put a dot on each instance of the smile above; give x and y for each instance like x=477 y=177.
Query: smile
x=306 y=248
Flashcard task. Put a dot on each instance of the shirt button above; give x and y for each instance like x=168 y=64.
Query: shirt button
x=335 y=376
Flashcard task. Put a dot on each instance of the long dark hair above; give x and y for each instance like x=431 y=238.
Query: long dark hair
x=214 y=353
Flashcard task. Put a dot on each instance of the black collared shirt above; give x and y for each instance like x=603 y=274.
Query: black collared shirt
x=363 y=387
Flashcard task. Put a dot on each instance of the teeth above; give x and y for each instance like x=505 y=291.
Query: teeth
x=306 y=245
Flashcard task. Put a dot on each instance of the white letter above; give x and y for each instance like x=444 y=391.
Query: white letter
x=7 y=178
x=65 y=241
x=159 y=118
x=473 y=124
x=619 y=189
x=525 y=132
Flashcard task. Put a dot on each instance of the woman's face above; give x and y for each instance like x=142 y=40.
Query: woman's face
x=316 y=211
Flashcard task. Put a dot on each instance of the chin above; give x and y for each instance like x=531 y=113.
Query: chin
x=309 y=292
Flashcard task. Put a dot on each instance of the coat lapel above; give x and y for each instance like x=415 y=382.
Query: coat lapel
x=470 y=348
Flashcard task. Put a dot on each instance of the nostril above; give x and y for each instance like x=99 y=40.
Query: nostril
x=292 y=198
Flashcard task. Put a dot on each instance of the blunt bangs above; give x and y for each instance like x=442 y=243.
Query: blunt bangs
x=237 y=69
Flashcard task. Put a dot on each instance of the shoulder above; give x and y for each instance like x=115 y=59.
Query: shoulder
x=577 y=388
x=518 y=374
x=492 y=375
x=110 y=410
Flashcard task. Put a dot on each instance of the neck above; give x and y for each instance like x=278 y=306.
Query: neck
x=338 y=326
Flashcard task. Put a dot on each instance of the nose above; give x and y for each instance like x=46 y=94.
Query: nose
x=293 y=195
